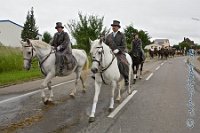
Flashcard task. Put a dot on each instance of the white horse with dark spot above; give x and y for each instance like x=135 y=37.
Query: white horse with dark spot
x=105 y=68
x=47 y=58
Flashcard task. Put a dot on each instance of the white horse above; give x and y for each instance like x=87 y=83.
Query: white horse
x=46 y=55
x=105 y=68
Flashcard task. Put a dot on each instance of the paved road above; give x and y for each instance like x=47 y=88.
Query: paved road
x=159 y=106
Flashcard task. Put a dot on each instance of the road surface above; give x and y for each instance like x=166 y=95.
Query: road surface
x=158 y=105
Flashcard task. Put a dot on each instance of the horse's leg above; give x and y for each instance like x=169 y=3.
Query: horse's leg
x=137 y=67
x=78 y=74
x=98 y=83
x=134 y=74
x=43 y=85
x=119 y=85
x=83 y=84
x=129 y=85
x=51 y=91
x=112 y=96
x=141 y=67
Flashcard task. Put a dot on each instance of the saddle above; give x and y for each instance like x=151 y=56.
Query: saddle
x=65 y=63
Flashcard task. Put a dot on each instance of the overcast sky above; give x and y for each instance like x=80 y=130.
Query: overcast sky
x=171 y=19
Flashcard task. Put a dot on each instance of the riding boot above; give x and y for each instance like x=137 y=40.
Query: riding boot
x=61 y=67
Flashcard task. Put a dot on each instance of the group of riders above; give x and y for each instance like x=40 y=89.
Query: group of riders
x=115 y=40
x=161 y=53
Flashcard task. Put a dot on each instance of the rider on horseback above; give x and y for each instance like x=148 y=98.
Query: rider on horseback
x=62 y=44
x=137 y=47
x=116 y=41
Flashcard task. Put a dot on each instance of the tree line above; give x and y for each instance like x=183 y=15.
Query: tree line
x=87 y=26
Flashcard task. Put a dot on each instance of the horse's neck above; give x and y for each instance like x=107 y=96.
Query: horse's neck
x=107 y=56
x=42 y=52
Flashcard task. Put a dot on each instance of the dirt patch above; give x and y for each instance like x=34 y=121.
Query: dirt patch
x=21 y=124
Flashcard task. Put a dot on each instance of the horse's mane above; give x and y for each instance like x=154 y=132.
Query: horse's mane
x=103 y=44
x=39 y=44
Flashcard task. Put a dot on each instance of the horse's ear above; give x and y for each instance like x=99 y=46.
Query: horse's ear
x=101 y=40
x=90 y=41
x=28 y=41
x=23 y=43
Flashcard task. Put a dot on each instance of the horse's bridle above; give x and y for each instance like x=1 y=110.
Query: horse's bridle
x=40 y=62
x=98 y=61
x=32 y=49
x=103 y=69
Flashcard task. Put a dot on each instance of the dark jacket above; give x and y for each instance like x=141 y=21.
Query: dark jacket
x=136 y=45
x=117 y=42
x=136 y=49
x=62 y=39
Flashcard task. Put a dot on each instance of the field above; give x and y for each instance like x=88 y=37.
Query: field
x=11 y=67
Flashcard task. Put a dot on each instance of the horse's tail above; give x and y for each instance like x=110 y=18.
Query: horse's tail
x=85 y=67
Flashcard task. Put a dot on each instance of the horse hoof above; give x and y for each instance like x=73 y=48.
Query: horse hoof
x=45 y=102
x=140 y=78
x=50 y=100
x=118 y=100
x=83 y=91
x=91 y=119
x=72 y=95
x=129 y=92
x=134 y=81
x=93 y=77
x=110 y=110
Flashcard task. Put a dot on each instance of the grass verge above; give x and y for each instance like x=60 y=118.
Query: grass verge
x=15 y=77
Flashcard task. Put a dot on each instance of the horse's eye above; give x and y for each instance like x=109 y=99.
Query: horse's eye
x=29 y=52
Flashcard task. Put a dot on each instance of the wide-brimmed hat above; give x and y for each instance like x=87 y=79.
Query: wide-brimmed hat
x=116 y=23
x=59 y=25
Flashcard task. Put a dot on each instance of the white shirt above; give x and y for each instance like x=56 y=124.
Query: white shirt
x=114 y=34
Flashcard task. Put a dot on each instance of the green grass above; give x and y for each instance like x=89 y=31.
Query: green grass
x=14 y=77
x=11 y=67
x=10 y=59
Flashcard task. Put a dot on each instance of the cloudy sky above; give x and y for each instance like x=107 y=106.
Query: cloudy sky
x=170 y=19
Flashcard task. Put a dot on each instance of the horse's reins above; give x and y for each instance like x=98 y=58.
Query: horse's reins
x=45 y=60
x=99 y=62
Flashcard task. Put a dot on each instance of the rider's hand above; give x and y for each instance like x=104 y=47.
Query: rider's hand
x=58 y=48
x=116 y=51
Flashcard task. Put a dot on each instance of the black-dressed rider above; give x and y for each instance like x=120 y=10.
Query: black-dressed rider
x=137 y=47
x=62 y=44
x=116 y=41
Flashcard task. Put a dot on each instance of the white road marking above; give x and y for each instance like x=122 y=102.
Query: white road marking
x=32 y=93
x=112 y=115
x=162 y=64
x=149 y=76
x=157 y=68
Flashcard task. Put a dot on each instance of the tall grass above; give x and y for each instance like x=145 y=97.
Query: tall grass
x=10 y=59
x=11 y=67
